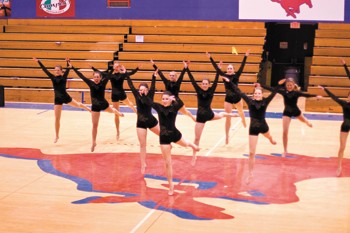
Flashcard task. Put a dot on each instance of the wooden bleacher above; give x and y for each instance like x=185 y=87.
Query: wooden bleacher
x=169 y=45
x=97 y=42
x=51 y=42
x=331 y=45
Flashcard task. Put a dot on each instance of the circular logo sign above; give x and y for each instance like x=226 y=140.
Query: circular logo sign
x=55 y=6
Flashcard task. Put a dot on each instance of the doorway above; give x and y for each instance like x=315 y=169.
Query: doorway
x=289 y=48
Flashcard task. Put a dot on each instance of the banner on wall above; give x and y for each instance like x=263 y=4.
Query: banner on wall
x=5 y=8
x=55 y=8
x=313 y=10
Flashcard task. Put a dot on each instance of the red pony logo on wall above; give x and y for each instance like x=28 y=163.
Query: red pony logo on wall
x=320 y=10
x=292 y=7
x=55 y=8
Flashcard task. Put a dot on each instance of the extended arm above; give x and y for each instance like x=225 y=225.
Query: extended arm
x=215 y=83
x=335 y=98
x=153 y=85
x=132 y=87
x=80 y=75
x=134 y=71
x=161 y=75
x=193 y=81
x=181 y=77
x=345 y=67
x=240 y=70
x=216 y=67
x=42 y=67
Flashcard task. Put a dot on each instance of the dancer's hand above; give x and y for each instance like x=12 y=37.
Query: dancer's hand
x=226 y=79
x=122 y=69
x=155 y=73
x=220 y=65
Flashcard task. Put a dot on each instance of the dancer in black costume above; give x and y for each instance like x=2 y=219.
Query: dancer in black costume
x=145 y=119
x=117 y=76
x=97 y=92
x=290 y=92
x=173 y=85
x=167 y=112
x=231 y=98
x=345 y=126
x=258 y=125
x=59 y=81
x=205 y=95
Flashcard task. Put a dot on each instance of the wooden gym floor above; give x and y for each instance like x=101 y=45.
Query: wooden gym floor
x=62 y=187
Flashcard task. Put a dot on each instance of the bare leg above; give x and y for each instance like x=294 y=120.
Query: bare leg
x=185 y=143
x=228 y=110
x=343 y=138
x=184 y=111
x=155 y=129
x=58 y=111
x=95 y=119
x=114 y=111
x=198 y=130
x=220 y=115
x=303 y=119
x=166 y=151
x=286 y=122
x=142 y=136
x=130 y=104
x=268 y=136
x=239 y=107
x=253 y=141
x=77 y=104
x=116 y=119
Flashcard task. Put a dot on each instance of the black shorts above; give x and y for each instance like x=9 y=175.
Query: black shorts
x=152 y=122
x=345 y=127
x=101 y=106
x=205 y=116
x=120 y=96
x=295 y=112
x=169 y=138
x=233 y=99
x=64 y=99
x=256 y=129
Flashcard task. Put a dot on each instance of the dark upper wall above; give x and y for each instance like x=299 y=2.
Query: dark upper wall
x=225 y=10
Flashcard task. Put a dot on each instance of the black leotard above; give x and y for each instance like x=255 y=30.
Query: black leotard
x=145 y=119
x=204 y=99
x=257 y=111
x=167 y=117
x=345 y=126
x=59 y=85
x=231 y=96
x=117 y=81
x=290 y=99
x=173 y=87
x=97 y=92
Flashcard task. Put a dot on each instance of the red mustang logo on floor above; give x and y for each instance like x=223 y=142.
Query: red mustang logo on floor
x=292 y=7
x=117 y=177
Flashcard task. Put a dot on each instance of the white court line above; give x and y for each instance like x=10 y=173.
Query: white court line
x=207 y=154
x=142 y=221
x=222 y=139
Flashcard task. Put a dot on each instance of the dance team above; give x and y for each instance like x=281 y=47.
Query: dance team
x=171 y=104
